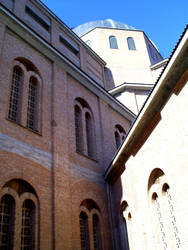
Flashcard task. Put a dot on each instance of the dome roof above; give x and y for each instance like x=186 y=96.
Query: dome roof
x=108 y=23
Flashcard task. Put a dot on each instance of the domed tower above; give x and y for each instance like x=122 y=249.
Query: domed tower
x=130 y=55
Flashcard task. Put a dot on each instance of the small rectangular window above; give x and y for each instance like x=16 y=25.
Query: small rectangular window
x=68 y=44
x=37 y=17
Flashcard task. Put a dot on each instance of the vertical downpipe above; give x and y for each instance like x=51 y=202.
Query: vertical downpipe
x=52 y=152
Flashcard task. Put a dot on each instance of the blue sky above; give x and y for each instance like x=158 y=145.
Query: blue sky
x=163 y=21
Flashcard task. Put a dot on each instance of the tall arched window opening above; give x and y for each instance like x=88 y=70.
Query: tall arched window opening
x=131 y=43
x=16 y=95
x=84 y=128
x=32 y=108
x=126 y=217
x=84 y=232
x=96 y=233
x=113 y=42
x=117 y=139
x=89 y=134
x=78 y=129
x=7 y=214
x=119 y=135
x=28 y=225
x=90 y=218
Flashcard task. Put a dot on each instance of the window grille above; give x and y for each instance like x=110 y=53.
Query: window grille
x=7 y=211
x=96 y=233
x=32 y=104
x=15 y=95
x=78 y=129
x=84 y=232
x=89 y=134
x=28 y=222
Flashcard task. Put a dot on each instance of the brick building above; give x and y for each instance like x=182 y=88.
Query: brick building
x=57 y=122
x=62 y=178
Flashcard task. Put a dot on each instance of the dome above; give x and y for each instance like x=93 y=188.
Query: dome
x=108 y=23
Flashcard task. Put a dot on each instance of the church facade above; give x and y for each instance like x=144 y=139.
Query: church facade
x=63 y=183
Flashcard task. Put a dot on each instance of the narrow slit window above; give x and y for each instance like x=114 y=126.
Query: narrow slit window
x=16 y=95
x=84 y=232
x=28 y=225
x=131 y=43
x=113 y=42
x=32 y=110
x=7 y=214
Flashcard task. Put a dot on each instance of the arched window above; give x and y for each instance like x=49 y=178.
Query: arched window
x=32 y=108
x=131 y=43
x=113 y=42
x=84 y=232
x=7 y=213
x=25 y=88
x=164 y=218
x=89 y=134
x=119 y=135
x=90 y=218
x=84 y=128
x=16 y=95
x=78 y=129
x=126 y=217
x=28 y=225
x=96 y=233
x=22 y=209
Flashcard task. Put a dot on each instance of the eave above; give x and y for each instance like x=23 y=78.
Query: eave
x=169 y=82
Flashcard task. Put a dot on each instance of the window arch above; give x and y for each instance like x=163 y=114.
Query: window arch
x=90 y=218
x=7 y=214
x=16 y=95
x=119 y=135
x=19 y=203
x=84 y=128
x=131 y=43
x=113 y=42
x=32 y=107
x=25 y=95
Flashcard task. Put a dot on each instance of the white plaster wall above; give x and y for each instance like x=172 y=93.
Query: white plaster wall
x=127 y=65
x=167 y=149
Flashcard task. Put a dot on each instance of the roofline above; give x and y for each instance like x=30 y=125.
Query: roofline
x=126 y=85
x=154 y=104
x=78 y=39
x=93 y=87
x=111 y=29
x=159 y=64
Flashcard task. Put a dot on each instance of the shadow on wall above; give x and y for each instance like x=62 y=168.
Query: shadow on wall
x=109 y=78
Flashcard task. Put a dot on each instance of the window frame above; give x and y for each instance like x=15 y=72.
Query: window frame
x=113 y=42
